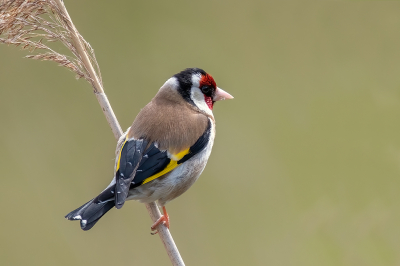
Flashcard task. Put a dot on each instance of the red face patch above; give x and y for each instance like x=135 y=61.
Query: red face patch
x=207 y=80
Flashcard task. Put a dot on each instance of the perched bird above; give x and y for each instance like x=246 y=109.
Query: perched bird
x=164 y=151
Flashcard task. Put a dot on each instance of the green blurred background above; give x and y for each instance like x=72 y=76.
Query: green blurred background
x=305 y=167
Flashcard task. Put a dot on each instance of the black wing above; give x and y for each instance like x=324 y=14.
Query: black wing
x=137 y=164
x=129 y=159
x=153 y=162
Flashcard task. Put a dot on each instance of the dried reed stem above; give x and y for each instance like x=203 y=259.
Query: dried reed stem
x=165 y=235
x=27 y=23
x=96 y=81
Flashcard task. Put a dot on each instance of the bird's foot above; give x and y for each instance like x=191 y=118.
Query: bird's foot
x=164 y=219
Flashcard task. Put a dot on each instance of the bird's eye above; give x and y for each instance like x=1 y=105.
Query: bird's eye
x=206 y=89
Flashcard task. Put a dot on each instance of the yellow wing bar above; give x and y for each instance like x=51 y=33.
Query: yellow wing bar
x=119 y=156
x=172 y=164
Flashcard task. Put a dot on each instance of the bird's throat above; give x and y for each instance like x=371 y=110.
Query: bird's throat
x=209 y=102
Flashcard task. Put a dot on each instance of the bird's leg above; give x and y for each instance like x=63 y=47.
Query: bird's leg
x=164 y=219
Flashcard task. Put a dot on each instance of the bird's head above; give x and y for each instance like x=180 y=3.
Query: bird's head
x=197 y=88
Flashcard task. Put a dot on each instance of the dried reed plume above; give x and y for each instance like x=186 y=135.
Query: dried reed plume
x=30 y=24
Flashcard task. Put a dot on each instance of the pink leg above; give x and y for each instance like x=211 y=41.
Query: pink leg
x=164 y=219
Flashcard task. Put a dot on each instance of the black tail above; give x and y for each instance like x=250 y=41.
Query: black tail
x=90 y=212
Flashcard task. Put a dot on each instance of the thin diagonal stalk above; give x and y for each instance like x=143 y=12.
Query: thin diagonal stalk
x=98 y=88
x=152 y=208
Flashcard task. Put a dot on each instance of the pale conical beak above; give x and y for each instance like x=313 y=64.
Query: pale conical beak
x=220 y=95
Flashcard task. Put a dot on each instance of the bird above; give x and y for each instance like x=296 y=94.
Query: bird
x=164 y=151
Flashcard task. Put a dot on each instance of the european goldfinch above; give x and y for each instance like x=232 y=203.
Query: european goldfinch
x=164 y=151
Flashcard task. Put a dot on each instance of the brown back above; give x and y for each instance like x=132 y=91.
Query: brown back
x=169 y=120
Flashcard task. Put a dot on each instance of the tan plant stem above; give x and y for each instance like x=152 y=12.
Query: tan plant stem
x=109 y=113
x=165 y=235
x=152 y=208
x=98 y=88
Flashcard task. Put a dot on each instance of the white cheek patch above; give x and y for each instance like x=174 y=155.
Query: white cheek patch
x=198 y=96
x=198 y=99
